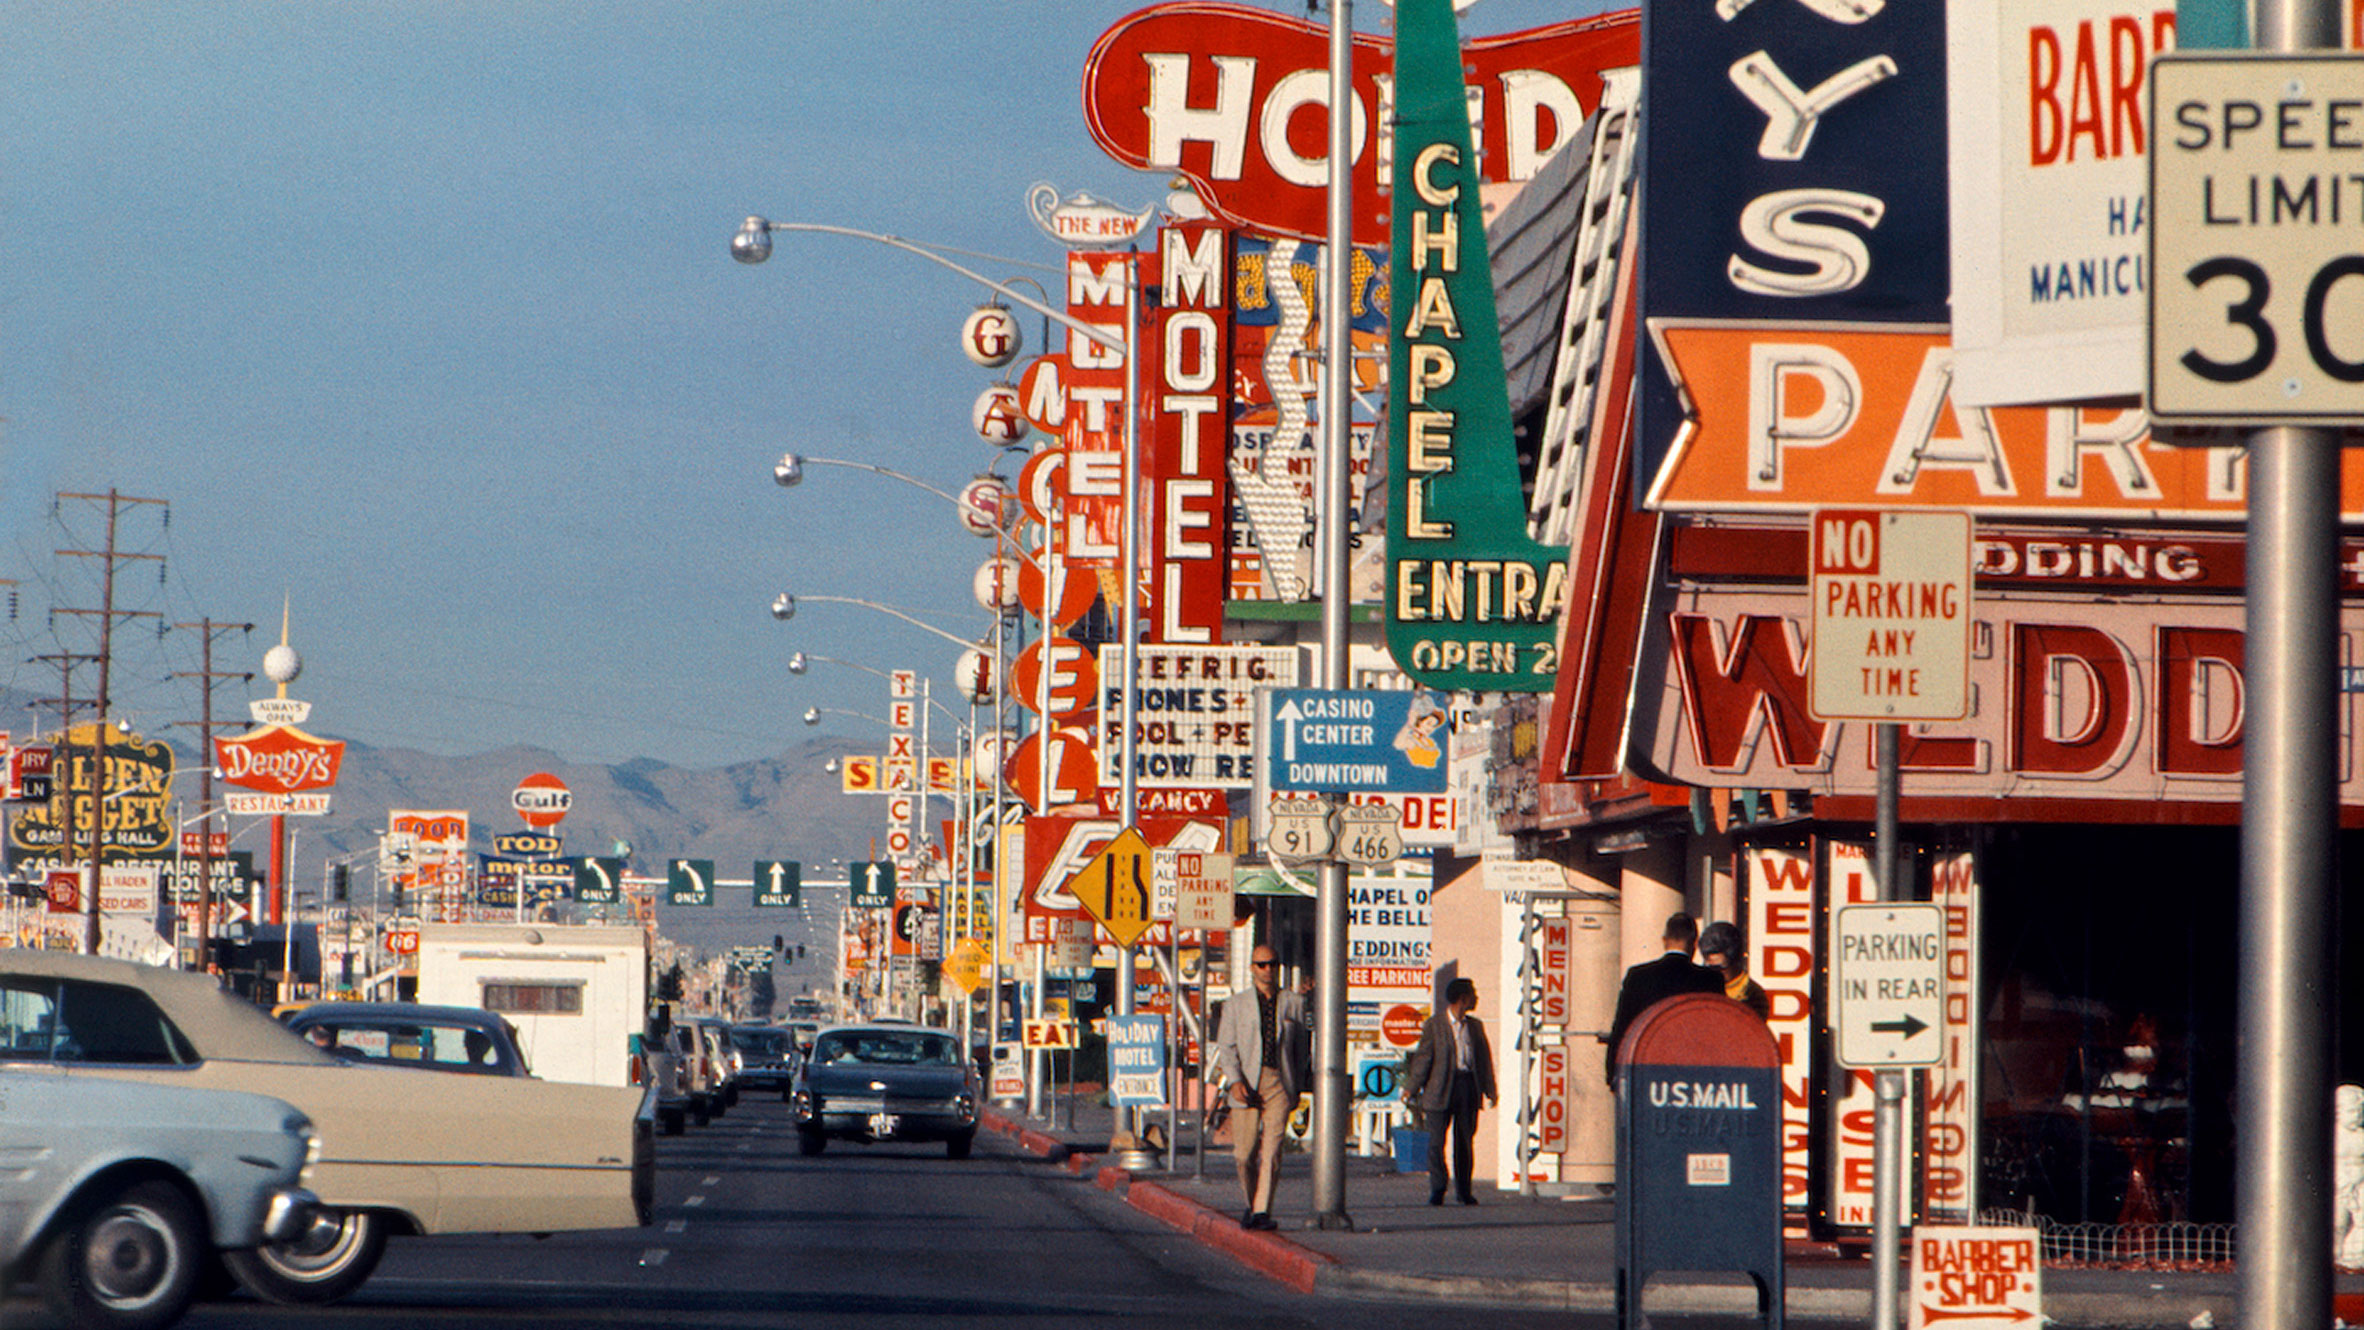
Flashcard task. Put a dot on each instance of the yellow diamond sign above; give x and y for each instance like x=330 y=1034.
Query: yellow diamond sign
x=1114 y=887
x=966 y=965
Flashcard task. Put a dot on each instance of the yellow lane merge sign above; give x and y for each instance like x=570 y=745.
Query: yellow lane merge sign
x=1114 y=887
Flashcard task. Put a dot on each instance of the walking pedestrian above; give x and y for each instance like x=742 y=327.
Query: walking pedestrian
x=1449 y=1070
x=1260 y=1049
x=1720 y=950
x=1652 y=982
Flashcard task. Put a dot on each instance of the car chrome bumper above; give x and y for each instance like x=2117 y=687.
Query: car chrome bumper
x=290 y=1212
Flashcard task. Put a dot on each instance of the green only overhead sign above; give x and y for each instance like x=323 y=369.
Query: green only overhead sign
x=1473 y=603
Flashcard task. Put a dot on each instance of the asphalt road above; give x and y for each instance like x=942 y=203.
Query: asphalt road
x=749 y=1233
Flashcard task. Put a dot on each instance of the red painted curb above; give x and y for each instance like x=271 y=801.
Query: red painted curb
x=1112 y=1178
x=1269 y=1254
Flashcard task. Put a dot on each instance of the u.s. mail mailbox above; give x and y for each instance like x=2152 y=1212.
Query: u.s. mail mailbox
x=1698 y=1150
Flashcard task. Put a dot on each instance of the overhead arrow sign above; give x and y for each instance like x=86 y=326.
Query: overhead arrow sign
x=778 y=882
x=599 y=881
x=873 y=885
x=689 y=882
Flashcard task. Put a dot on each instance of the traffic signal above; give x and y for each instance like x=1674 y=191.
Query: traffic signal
x=779 y=945
x=341 y=879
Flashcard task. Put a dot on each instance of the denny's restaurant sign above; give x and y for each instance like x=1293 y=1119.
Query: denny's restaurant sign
x=1472 y=602
x=279 y=759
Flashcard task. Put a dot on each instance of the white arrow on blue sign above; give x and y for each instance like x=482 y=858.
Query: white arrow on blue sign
x=1358 y=742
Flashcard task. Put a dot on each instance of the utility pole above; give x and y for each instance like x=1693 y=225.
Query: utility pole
x=109 y=556
x=207 y=631
x=62 y=796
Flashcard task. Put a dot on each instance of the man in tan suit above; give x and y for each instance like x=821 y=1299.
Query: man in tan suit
x=1260 y=1049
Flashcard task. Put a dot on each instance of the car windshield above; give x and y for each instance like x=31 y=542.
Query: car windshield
x=772 y=1043
x=886 y=1048
x=408 y=1043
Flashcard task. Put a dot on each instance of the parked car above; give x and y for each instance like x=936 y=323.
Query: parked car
x=114 y=1194
x=415 y=1035
x=480 y=1154
x=899 y=1082
x=769 y=1052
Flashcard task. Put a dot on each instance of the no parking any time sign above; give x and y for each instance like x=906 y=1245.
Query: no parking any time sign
x=1891 y=615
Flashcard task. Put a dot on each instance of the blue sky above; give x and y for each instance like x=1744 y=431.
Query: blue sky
x=421 y=316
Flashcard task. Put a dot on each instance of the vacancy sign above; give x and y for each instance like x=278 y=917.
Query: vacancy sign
x=1891 y=615
x=1976 y=1278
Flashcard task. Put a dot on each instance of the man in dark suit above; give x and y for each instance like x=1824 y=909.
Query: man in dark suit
x=1447 y=1072
x=1652 y=982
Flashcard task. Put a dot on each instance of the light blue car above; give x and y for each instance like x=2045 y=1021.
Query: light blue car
x=114 y=1194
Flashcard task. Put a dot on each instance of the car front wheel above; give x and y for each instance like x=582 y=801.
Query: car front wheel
x=810 y=1142
x=127 y=1262
x=328 y=1262
x=957 y=1147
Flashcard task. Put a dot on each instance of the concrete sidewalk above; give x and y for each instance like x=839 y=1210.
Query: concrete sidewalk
x=1540 y=1252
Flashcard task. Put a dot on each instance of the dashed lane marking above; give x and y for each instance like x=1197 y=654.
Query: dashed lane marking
x=654 y=1256
x=678 y=1226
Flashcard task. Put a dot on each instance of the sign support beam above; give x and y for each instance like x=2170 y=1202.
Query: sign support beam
x=1333 y=1093
x=2290 y=798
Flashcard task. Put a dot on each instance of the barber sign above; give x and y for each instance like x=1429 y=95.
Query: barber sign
x=1976 y=1278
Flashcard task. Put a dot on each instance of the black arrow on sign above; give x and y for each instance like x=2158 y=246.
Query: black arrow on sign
x=1908 y=1027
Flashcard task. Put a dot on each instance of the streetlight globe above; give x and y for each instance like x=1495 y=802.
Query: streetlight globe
x=788 y=471
x=812 y=715
x=783 y=606
x=753 y=243
x=830 y=765
x=797 y=664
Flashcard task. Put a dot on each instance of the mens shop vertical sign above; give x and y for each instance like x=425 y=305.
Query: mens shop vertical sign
x=1472 y=601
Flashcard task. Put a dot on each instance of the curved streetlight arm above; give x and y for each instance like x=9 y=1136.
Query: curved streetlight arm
x=875 y=469
x=812 y=715
x=789 y=472
x=914 y=621
x=796 y=666
x=753 y=245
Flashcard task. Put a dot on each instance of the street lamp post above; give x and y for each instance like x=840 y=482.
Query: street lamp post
x=753 y=244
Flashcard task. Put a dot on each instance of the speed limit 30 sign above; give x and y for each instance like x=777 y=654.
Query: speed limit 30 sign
x=2257 y=277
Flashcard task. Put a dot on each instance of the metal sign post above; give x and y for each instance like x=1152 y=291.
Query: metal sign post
x=2239 y=337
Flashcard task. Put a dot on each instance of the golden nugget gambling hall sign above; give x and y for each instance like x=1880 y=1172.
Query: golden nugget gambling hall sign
x=1472 y=601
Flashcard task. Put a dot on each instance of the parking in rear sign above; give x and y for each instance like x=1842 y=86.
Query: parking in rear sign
x=1888 y=984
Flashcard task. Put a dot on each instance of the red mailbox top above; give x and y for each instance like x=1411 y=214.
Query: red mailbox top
x=1698 y=1030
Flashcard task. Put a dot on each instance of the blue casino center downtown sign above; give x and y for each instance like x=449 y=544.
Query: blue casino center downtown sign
x=1357 y=742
